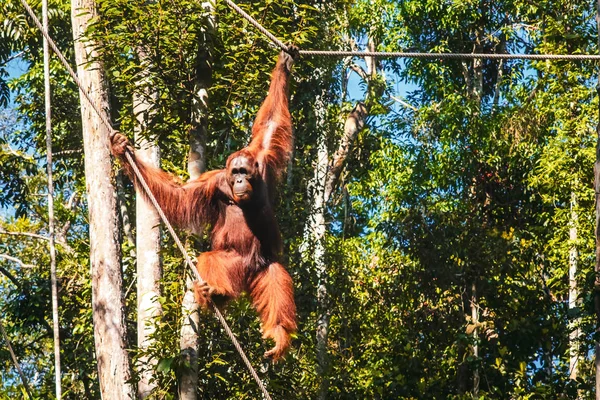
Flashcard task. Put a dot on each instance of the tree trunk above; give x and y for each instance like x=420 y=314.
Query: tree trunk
x=203 y=81
x=477 y=96
x=149 y=269
x=573 y=292
x=122 y=206
x=188 y=343
x=475 y=322
x=321 y=188
x=107 y=297
x=51 y=234
x=314 y=236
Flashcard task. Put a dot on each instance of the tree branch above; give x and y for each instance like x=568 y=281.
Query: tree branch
x=13 y=57
x=15 y=361
x=16 y=260
x=354 y=124
x=360 y=71
x=404 y=103
x=60 y=239
x=28 y=234
x=10 y=277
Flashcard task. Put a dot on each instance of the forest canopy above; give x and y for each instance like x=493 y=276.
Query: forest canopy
x=438 y=216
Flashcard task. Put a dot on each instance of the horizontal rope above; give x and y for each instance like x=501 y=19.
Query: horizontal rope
x=382 y=54
x=461 y=56
x=103 y=116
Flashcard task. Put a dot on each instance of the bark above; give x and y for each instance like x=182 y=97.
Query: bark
x=324 y=183
x=16 y=260
x=462 y=370
x=10 y=277
x=188 y=342
x=320 y=189
x=314 y=236
x=202 y=81
x=354 y=124
x=51 y=235
x=475 y=322
x=122 y=206
x=107 y=297
x=573 y=292
x=149 y=269
x=477 y=95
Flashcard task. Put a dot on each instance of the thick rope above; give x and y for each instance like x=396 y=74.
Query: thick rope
x=454 y=56
x=382 y=54
x=257 y=25
x=151 y=197
x=198 y=277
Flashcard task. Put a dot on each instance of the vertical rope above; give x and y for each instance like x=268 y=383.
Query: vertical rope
x=51 y=235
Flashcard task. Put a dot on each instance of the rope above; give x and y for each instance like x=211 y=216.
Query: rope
x=454 y=56
x=198 y=277
x=51 y=220
x=152 y=199
x=257 y=25
x=336 y=53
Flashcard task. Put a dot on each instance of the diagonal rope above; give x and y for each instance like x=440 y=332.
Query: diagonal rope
x=150 y=196
x=257 y=25
x=383 y=54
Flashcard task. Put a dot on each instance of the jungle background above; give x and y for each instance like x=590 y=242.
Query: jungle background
x=438 y=215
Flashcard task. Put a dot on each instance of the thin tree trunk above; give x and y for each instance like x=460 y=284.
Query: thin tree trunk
x=314 y=237
x=122 y=206
x=321 y=188
x=352 y=127
x=202 y=82
x=15 y=361
x=462 y=369
x=51 y=235
x=475 y=322
x=198 y=132
x=477 y=96
x=108 y=308
x=149 y=269
x=573 y=292
x=188 y=342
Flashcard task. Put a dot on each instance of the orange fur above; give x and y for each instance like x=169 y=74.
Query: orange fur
x=274 y=114
x=272 y=295
x=246 y=243
x=223 y=271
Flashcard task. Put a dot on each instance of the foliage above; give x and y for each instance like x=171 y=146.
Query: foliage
x=467 y=183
